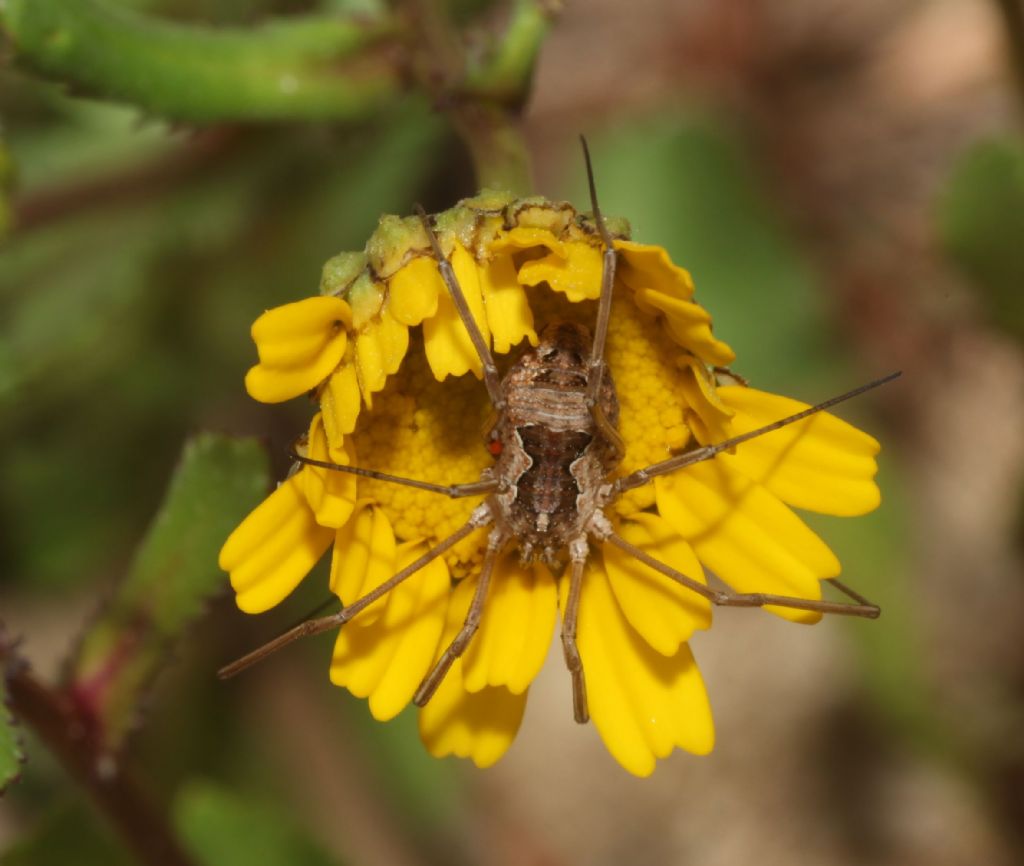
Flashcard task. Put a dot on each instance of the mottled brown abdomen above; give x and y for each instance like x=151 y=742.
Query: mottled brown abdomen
x=548 y=487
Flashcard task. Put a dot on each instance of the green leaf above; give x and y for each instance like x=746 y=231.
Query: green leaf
x=222 y=829
x=175 y=572
x=68 y=834
x=309 y=67
x=981 y=219
x=11 y=756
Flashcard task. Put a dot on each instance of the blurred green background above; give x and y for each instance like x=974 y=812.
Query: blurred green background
x=846 y=183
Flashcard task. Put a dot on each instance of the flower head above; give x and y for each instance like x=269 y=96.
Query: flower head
x=385 y=354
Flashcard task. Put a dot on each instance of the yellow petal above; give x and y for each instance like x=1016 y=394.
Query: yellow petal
x=577 y=275
x=331 y=494
x=643 y=704
x=340 y=404
x=380 y=347
x=369 y=364
x=745 y=535
x=514 y=635
x=270 y=552
x=662 y=611
x=642 y=266
x=275 y=385
x=524 y=237
x=364 y=557
x=690 y=326
x=394 y=341
x=480 y=725
x=508 y=311
x=289 y=335
x=449 y=350
x=387 y=660
x=821 y=464
x=702 y=397
x=414 y=290
x=299 y=345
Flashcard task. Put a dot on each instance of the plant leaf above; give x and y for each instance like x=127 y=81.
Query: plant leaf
x=298 y=67
x=174 y=573
x=221 y=829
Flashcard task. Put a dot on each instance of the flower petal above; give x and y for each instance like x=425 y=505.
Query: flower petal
x=364 y=557
x=290 y=335
x=508 y=311
x=331 y=494
x=643 y=704
x=340 y=404
x=298 y=344
x=689 y=324
x=270 y=551
x=449 y=350
x=745 y=535
x=524 y=238
x=821 y=464
x=386 y=660
x=480 y=725
x=663 y=612
x=380 y=347
x=713 y=417
x=644 y=266
x=414 y=290
x=577 y=274
x=514 y=635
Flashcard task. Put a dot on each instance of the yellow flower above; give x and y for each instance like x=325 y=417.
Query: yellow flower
x=385 y=352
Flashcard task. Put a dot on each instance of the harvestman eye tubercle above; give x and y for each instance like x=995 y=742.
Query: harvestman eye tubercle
x=556 y=445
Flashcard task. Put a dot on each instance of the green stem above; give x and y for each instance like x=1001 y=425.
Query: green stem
x=505 y=70
x=483 y=102
x=495 y=140
x=313 y=68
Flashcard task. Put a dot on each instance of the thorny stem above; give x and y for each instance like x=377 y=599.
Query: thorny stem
x=53 y=717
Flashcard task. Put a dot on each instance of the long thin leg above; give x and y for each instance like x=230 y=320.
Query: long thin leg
x=454 y=491
x=862 y=607
x=481 y=516
x=848 y=592
x=698 y=455
x=491 y=377
x=572 y=654
x=461 y=641
x=596 y=368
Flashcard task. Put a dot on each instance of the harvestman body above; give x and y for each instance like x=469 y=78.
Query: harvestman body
x=556 y=444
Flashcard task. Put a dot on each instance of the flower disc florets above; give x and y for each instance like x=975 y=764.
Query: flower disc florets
x=386 y=356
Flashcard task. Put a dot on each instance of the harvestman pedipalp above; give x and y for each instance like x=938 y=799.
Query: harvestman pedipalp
x=557 y=443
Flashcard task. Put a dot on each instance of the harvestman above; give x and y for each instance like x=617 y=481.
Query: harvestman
x=556 y=443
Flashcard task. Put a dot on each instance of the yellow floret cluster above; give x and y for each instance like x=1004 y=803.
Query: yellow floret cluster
x=431 y=431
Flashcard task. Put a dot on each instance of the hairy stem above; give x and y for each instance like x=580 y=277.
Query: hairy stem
x=52 y=716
